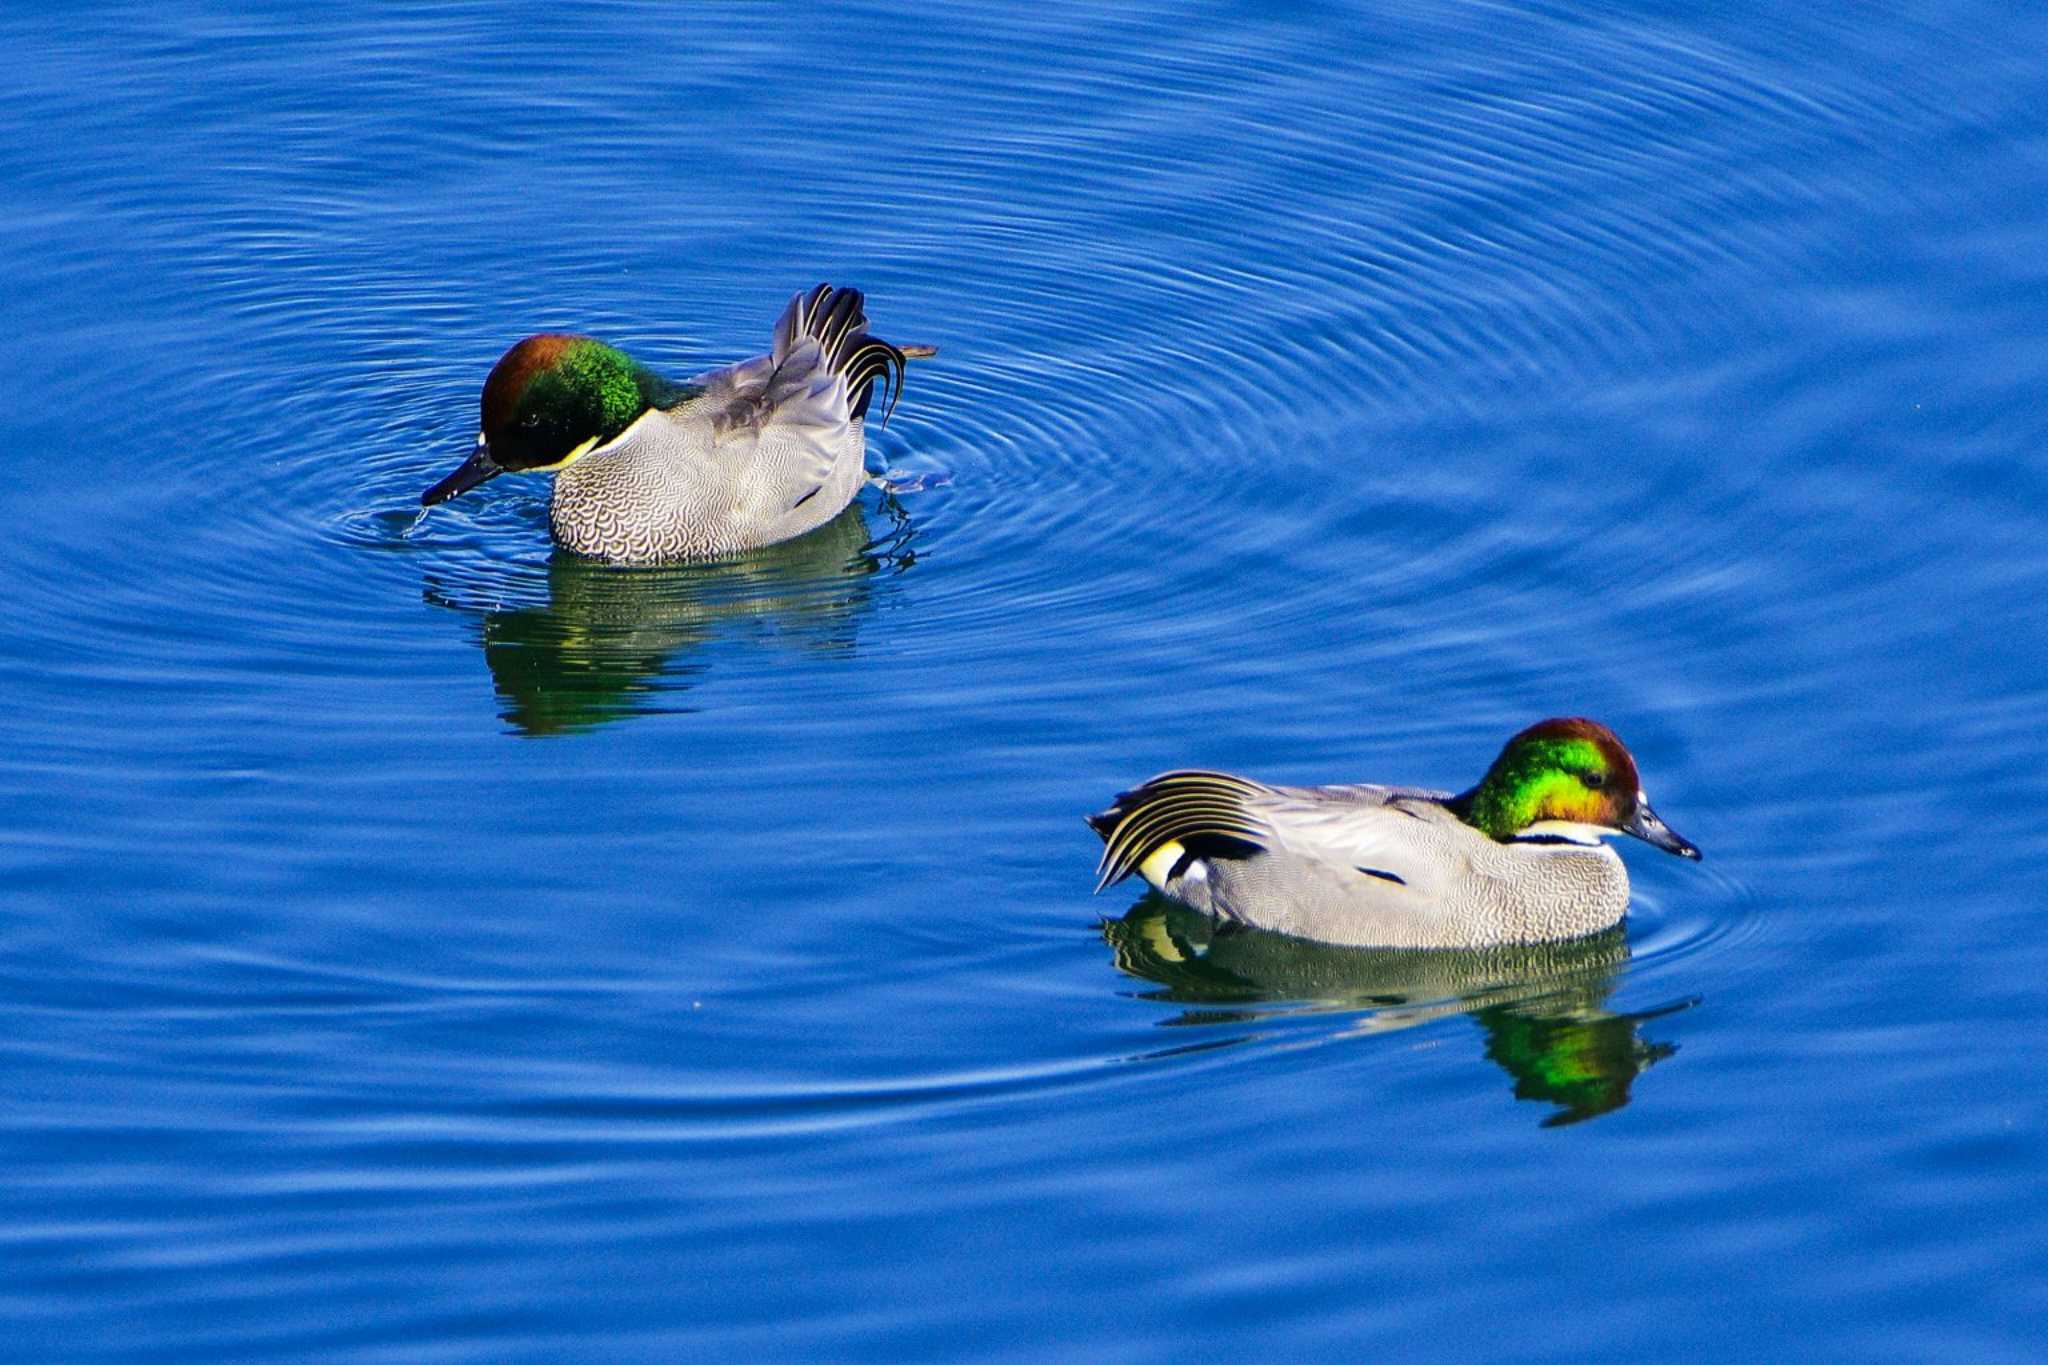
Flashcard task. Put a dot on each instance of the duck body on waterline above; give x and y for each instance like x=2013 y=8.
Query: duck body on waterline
x=1519 y=858
x=650 y=470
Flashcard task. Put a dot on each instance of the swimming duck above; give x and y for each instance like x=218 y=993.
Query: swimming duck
x=1516 y=859
x=648 y=470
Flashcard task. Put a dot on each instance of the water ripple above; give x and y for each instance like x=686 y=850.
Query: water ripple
x=1323 y=395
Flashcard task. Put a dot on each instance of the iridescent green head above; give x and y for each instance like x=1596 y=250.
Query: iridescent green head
x=1568 y=770
x=551 y=400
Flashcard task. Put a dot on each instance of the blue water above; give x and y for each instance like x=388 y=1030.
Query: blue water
x=418 y=947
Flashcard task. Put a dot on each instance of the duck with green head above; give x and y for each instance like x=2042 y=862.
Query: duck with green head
x=1520 y=857
x=648 y=470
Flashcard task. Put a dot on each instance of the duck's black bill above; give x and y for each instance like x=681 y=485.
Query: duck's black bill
x=1645 y=825
x=478 y=468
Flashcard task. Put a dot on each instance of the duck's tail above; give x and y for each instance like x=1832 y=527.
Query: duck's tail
x=1190 y=808
x=837 y=321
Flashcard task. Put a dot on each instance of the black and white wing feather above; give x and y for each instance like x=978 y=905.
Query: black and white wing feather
x=1385 y=833
x=1187 y=806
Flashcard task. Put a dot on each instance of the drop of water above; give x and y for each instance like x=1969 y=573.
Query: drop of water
x=918 y=482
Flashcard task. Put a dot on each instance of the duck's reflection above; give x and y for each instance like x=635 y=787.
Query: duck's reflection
x=1541 y=1006
x=610 y=642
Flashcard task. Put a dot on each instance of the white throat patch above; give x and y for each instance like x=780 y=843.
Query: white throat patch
x=1571 y=831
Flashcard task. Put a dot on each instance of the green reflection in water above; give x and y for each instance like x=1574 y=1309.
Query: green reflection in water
x=1542 y=1006
x=611 y=642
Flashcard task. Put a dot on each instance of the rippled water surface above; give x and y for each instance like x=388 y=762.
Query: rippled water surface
x=418 y=946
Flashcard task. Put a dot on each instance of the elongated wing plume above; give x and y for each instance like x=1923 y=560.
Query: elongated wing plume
x=1185 y=805
x=837 y=320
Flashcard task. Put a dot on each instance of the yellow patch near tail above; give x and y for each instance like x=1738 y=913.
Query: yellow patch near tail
x=1160 y=862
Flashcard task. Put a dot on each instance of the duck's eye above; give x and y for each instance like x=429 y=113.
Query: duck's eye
x=1593 y=780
